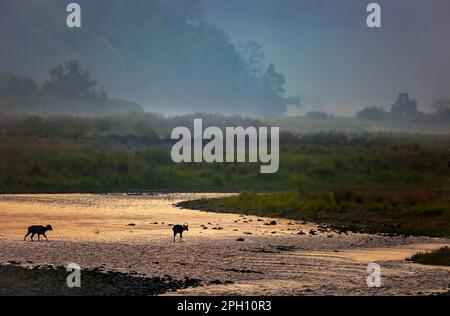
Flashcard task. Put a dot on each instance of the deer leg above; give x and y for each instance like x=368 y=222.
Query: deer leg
x=174 y=235
x=32 y=235
x=26 y=236
x=45 y=237
x=181 y=237
x=39 y=237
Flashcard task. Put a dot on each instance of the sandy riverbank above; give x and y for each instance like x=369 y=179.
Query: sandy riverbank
x=93 y=231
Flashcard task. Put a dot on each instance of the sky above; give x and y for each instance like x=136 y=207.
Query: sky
x=334 y=61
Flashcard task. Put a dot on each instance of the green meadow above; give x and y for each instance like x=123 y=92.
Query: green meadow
x=112 y=163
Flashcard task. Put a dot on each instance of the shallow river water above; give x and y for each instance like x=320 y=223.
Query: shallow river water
x=132 y=233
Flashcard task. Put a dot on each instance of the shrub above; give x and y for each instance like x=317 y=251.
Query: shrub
x=317 y=115
x=372 y=113
x=439 y=257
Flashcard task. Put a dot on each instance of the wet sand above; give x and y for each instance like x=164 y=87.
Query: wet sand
x=94 y=231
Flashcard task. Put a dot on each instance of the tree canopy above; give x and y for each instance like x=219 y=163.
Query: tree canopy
x=69 y=90
x=404 y=105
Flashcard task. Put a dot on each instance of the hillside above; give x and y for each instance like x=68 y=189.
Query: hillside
x=166 y=56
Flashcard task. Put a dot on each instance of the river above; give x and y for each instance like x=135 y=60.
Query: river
x=132 y=233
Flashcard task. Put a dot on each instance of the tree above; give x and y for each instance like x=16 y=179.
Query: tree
x=442 y=108
x=294 y=101
x=404 y=105
x=189 y=11
x=275 y=80
x=441 y=105
x=372 y=113
x=71 y=81
x=12 y=85
x=253 y=57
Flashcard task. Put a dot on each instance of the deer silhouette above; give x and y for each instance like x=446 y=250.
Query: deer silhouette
x=179 y=229
x=39 y=230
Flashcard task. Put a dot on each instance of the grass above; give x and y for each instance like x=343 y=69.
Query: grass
x=408 y=212
x=439 y=257
x=124 y=163
x=351 y=124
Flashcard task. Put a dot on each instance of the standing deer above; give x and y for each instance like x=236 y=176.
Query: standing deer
x=39 y=230
x=179 y=229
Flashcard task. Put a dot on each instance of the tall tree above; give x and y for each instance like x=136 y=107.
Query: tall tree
x=253 y=57
x=275 y=80
x=404 y=105
x=441 y=105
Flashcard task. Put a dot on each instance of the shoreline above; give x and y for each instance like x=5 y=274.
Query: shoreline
x=353 y=218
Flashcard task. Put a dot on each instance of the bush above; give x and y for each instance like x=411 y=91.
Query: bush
x=440 y=257
x=317 y=115
x=372 y=113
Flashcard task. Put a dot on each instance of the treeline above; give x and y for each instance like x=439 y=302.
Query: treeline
x=69 y=90
x=406 y=108
x=156 y=126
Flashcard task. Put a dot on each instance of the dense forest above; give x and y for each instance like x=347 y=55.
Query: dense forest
x=162 y=54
